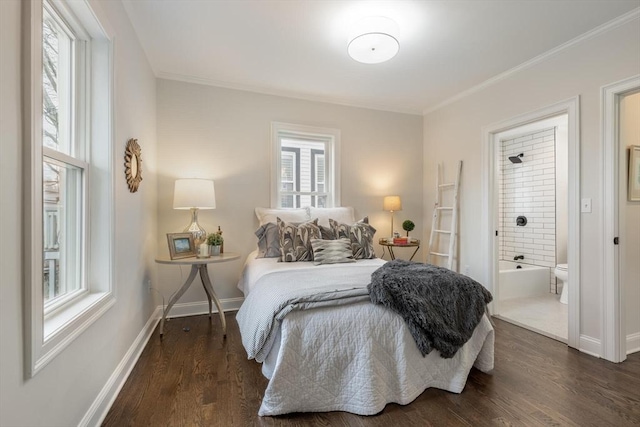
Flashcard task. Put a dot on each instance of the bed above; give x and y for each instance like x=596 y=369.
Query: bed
x=340 y=352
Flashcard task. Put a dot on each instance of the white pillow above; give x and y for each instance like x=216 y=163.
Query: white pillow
x=341 y=215
x=266 y=215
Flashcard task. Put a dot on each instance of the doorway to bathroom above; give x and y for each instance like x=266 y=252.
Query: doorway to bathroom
x=532 y=169
x=531 y=185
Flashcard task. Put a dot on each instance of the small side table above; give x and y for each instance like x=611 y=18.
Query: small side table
x=198 y=265
x=390 y=245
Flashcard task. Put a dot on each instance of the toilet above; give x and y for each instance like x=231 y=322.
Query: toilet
x=561 y=272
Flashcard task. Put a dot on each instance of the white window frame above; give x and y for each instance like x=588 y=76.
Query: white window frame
x=48 y=332
x=331 y=140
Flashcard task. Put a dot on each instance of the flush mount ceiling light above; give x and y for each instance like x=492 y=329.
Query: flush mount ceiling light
x=374 y=40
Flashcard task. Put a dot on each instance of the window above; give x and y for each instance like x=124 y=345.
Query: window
x=65 y=171
x=305 y=165
x=69 y=266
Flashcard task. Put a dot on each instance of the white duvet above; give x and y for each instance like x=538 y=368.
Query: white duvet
x=354 y=358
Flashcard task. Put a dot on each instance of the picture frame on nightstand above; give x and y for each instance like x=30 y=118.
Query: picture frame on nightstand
x=181 y=245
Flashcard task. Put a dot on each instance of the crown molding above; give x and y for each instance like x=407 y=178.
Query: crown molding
x=608 y=26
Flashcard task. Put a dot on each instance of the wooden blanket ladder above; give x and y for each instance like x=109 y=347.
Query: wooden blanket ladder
x=437 y=229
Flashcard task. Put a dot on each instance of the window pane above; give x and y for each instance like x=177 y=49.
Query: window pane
x=62 y=229
x=320 y=170
x=286 y=201
x=288 y=167
x=56 y=84
x=319 y=201
x=303 y=171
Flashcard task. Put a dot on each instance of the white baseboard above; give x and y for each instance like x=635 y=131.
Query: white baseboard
x=590 y=346
x=633 y=343
x=101 y=405
x=202 y=307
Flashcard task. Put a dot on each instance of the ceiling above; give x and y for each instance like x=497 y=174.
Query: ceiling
x=299 y=48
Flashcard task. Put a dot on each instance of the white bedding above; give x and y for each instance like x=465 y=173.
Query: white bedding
x=254 y=269
x=354 y=358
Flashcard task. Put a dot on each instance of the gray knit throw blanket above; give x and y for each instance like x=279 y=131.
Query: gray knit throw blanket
x=441 y=307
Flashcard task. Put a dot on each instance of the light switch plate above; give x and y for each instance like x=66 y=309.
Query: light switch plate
x=585 y=205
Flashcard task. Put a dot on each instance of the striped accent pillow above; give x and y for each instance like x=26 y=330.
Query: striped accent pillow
x=332 y=251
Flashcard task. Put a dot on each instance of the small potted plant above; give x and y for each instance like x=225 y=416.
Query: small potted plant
x=214 y=240
x=408 y=226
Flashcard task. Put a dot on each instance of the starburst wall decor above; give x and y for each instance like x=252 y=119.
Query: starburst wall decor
x=133 y=164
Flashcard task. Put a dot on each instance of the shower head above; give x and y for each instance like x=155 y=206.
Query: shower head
x=516 y=159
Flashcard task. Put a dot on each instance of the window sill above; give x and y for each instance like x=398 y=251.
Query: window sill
x=66 y=325
x=66 y=317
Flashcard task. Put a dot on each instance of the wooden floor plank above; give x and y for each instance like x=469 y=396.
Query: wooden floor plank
x=194 y=377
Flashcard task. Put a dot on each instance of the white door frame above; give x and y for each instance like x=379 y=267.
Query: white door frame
x=571 y=107
x=614 y=339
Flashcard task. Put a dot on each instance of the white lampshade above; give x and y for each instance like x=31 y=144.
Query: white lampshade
x=373 y=40
x=194 y=193
x=392 y=203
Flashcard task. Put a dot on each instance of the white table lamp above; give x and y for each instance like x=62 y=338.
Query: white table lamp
x=392 y=204
x=194 y=194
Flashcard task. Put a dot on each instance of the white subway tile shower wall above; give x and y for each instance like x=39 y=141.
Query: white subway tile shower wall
x=528 y=189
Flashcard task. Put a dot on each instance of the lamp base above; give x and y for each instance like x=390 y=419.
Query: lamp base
x=199 y=233
x=392 y=235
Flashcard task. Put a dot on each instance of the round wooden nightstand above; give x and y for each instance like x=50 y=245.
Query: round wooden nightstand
x=388 y=243
x=198 y=265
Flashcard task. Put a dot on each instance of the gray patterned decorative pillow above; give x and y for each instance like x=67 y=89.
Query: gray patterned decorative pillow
x=327 y=233
x=332 y=251
x=295 y=240
x=268 y=241
x=360 y=234
x=341 y=230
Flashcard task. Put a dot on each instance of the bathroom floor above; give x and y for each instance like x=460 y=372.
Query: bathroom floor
x=543 y=314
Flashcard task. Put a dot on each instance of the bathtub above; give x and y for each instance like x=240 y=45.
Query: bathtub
x=530 y=280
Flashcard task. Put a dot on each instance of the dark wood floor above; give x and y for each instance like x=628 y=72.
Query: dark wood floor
x=194 y=378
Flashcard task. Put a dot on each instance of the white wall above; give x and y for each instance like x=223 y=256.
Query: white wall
x=64 y=390
x=454 y=133
x=223 y=134
x=630 y=214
